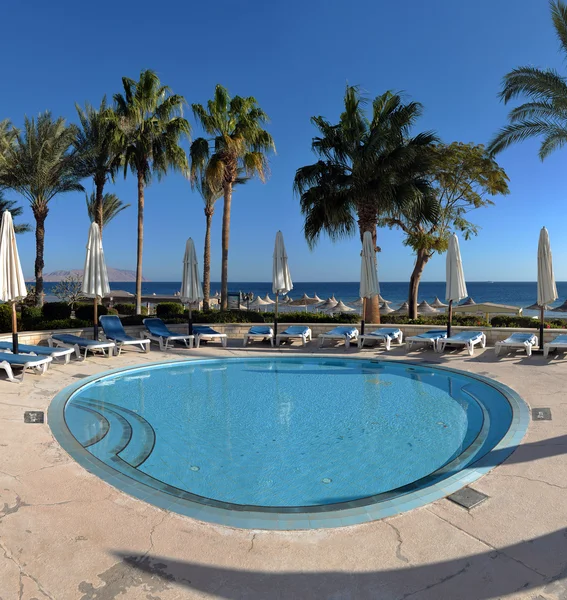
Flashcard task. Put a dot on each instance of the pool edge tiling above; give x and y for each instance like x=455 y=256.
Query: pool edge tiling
x=270 y=518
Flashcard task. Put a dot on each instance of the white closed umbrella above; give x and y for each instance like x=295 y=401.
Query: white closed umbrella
x=12 y=282
x=546 y=288
x=95 y=277
x=281 y=277
x=456 y=287
x=191 y=288
x=369 y=286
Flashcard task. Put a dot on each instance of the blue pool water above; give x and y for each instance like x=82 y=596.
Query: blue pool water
x=280 y=434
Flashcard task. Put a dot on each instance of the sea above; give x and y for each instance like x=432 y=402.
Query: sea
x=516 y=293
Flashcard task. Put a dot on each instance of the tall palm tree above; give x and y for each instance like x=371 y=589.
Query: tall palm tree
x=16 y=211
x=97 y=154
x=237 y=141
x=149 y=127
x=210 y=196
x=111 y=205
x=545 y=113
x=39 y=165
x=367 y=168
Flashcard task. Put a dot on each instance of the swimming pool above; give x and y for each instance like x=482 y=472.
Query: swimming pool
x=286 y=443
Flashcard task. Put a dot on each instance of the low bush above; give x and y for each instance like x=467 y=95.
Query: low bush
x=126 y=308
x=526 y=322
x=64 y=324
x=132 y=320
x=112 y=311
x=225 y=316
x=462 y=320
x=56 y=310
x=85 y=311
x=31 y=316
x=6 y=318
x=169 y=308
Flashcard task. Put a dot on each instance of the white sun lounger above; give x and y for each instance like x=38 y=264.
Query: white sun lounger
x=114 y=331
x=467 y=339
x=259 y=332
x=67 y=340
x=384 y=334
x=158 y=332
x=559 y=343
x=54 y=353
x=427 y=338
x=522 y=341
x=344 y=333
x=25 y=361
x=294 y=332
x=208 y=334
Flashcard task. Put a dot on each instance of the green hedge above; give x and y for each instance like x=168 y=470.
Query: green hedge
x=462 y=320
x=125 y=308
x=56 y=310
x=85 y=311
x=64 y=324
x=243 y=316
x=526 y=322
x=31 y=316
x=6 y=318
x=164 y=309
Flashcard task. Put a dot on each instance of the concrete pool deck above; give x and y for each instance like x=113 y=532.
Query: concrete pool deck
x=67 y=535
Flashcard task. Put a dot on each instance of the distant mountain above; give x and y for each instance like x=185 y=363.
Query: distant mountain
x=113 y=275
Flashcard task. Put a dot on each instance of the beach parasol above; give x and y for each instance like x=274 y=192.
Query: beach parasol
x=341 y=307
x=424 y=308
x=191 y=290
x=438 y=304
x=317 y=299
x=95 y=277
x=357 y=302
x=562 y=308
x=12 y=282
x=327 y=305
x=268 y=299
x=385 y=309
x=305 y=300
x=403 y=310
x=546 y=288
x=258 y=302
x=456 y=288
x=488 y=308
x=382 y=300
x=281 y=278
x=536 y=306
x=369 y=286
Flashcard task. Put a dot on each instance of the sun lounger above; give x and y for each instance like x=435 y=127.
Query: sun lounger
x=427 y=338
x=344 y=333
x=259 y=332
x=384 y=334
x=158 y=332
x=468 y=339
x=523 y=341
x=67 y=340
x=559 y=343
x=208 y=334
x=39 y=350
x=294 y=332
x=114 y=331
x=25 y=361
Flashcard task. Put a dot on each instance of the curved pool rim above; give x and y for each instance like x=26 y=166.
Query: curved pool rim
x=352 y=512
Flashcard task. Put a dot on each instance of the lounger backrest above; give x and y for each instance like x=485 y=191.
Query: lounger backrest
x=204 y=330
x=112 y=326
x=68 y=338
x=466 y=335
x=343 y=330
x=156 y=327
x=386 y=331
x=436 y=333
x=560 y=339
x=261 y=330
x=296 y=330
x=25 y=348
x=19 y=359
x=521 y=337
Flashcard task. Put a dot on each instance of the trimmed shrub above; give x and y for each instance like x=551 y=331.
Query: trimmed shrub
x=132 y=320
x=526 y=322
x=64 y=324
x=56 y=310
x=6 y=318
x=111 y=311
x=31 y=316
x=126 y=308
x=243 y=316
x=164 y=309
x=85 y=311
x=225 y=316
x=463 y=320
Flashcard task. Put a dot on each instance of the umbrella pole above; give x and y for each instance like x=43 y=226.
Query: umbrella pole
x=450 y=319
x=363 y=314
x=541 y=318
x=95 y=319
x=190 y=320
x=276 y=316
x=14 y=329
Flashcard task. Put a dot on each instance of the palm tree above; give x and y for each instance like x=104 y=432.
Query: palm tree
x=368 y=168
x=39 y=165
x=111 y=205
x=237 y=142
x=15 y=210
x=545 y=114
x=97 y=154
x=149 y=128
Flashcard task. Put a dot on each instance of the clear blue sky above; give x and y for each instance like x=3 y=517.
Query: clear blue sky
x=296 y=58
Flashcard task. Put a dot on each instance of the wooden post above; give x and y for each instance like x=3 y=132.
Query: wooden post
x=14 y=329
x=450 y=311
x=276 y=316
x=363 y=315
x=95 y=319
x=541 y=320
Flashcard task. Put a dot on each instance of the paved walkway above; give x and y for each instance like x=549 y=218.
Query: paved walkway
x=67 y=535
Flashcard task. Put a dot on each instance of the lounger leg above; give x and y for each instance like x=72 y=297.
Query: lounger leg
x=347 y=343
x=400 y=337
x=470 y=348
x=9 y=373
x=387 y=344
x=529 y=349
x=197 y=342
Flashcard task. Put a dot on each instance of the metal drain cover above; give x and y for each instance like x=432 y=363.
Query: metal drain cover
x=34 y=416
x=81 y=375
x=467 y=498
x=541 y=414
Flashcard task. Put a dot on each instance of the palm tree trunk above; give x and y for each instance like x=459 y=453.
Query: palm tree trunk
x=99 y=183
x=40 y=214
x=367 y=221
x=225 y=242
x=421 y=260
x=207 y=260
x=140 y=243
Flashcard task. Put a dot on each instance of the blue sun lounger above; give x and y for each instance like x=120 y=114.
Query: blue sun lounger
x=294 y=332
x=427 y=338
x=159 y=332
x=208 y=334
x=468 y=339
x=344 y=333
x=522 y=341
x=259 y=332
x=38 y=364
x=384 y=334
x=40 y=350
x=77 y=343
x=114 y=331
